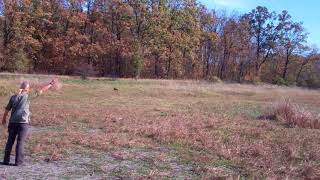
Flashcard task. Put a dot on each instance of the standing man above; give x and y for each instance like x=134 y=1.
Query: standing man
x=19 y=120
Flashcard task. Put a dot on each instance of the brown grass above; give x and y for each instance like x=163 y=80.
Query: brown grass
x=295 y=116
x=211 y=126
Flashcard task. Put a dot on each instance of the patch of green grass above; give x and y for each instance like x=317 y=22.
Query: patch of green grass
x=176 y=146
x=222 y=163
x=164 y=114
x=244 y=108
x=79 y=81
x=94 y=168
x=163 y=167
x=149 y=162
x=120 y=172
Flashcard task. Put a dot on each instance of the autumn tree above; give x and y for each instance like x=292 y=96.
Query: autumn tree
x=152 y=39
x=292 y=38
x=309 y=59
x=262 y=30
x=208 y=40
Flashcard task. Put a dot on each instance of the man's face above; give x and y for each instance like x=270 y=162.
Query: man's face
x=27 y=89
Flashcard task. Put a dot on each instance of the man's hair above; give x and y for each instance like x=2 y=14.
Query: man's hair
x=24 y=85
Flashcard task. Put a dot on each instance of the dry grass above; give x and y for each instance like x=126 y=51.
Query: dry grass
x=295 y=116
x=211 y=126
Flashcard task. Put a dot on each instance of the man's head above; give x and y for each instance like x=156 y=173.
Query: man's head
x=25 y=86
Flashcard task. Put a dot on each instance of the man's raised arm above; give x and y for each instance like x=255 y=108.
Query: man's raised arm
x=47 y=87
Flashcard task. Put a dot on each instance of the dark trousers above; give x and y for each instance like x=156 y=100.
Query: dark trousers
x=19 y=131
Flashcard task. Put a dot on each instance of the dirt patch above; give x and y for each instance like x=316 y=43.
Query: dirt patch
x=117 y=164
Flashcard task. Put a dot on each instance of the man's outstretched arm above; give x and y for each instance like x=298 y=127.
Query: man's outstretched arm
x=4 y=118
x=47 y=87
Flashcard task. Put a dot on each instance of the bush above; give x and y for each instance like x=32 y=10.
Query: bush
x=5 y=91
x=214 y=79
x=85 y=70
x=295 y=116
x=137 y=64
x=18 y=62
x=310 y=83
x=281 y=82
x=256 y=81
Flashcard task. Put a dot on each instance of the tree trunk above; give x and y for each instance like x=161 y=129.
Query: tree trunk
x=223 y=64
x=240 y=75
x=156 y=66
x=256 y=72
x=5 y=34
x=203 y=62
x=299 y=73
x=284 y=74
x=169 y=63
x=300 y=70
x=208 y=67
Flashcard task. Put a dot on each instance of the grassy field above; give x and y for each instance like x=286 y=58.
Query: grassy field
x=164 y=129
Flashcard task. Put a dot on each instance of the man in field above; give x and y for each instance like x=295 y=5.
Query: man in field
x=19 y=119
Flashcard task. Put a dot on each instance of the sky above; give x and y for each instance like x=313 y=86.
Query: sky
x=305 y=11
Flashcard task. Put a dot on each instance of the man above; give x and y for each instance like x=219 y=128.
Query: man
x=19 y=120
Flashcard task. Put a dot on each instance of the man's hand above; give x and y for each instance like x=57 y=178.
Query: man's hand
x=48 y=86
x=3 y=122
x=54 y=81
x=4 y=118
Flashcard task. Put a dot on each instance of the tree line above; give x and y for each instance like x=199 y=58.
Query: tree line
x=174 y=39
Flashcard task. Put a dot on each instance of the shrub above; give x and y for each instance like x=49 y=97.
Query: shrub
x=18 y=62
x=256 y=81
x=85 y=70
x=280 y=81
x=310 y=83
x=137 y=64
x=214 y=79
x=294 y=115
x=5 y=91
